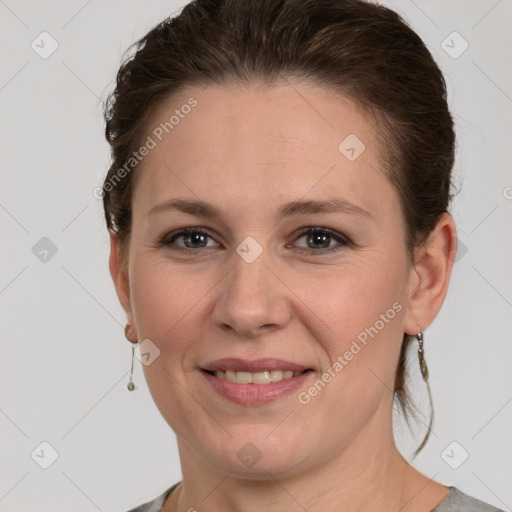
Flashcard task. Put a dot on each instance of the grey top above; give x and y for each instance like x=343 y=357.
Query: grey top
x=455 y=501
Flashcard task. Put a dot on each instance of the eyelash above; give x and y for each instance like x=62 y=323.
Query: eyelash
x=169 y=238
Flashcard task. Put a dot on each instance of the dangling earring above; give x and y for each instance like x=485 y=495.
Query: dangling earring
x=421 y=357
x=130 y=385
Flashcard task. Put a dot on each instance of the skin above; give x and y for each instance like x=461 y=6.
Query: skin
x=248 y=150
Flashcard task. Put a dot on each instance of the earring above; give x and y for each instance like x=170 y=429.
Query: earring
x=421 y=357
x=130 y=385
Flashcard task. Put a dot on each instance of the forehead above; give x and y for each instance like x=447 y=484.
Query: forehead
x=258 y=140
x=282 y=115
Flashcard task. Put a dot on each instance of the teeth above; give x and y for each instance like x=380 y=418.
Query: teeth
x=264 y=377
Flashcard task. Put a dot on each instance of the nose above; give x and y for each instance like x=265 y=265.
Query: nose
x=252 y=299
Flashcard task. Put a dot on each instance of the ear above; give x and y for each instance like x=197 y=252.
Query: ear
x=120 y=278
x=430 y=276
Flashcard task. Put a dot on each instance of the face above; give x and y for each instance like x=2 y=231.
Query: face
x=295 y=251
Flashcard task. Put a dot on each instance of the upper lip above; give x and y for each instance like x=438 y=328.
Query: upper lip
x=253 y=365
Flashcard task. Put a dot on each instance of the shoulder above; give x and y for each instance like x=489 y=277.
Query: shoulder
x=156 y=504
x=458 y=501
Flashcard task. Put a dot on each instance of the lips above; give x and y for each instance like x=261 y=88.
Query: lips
x=253 y=365
x=243 y=392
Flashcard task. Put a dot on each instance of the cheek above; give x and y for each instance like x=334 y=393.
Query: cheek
x=357 y=319
x=356 y=314
x=349 y=299
x=167 y=304
x=164 y=298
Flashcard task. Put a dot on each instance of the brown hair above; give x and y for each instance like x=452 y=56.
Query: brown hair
x=360 y=49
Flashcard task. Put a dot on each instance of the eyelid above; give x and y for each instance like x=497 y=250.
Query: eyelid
x=322 y=229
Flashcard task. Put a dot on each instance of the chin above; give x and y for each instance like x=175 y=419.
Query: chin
x=255 y=460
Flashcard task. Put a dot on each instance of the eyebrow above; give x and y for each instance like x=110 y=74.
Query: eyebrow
x=207 y=210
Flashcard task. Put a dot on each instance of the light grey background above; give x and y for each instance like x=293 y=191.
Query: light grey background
x=64 y=360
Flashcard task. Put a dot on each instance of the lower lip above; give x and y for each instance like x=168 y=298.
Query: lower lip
x=256 y=394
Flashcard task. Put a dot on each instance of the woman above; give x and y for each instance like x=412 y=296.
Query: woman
x=280 y=234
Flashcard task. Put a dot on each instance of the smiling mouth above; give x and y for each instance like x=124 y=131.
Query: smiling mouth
x=263 y=377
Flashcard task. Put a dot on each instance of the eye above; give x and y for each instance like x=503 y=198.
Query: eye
x=192 y=238
x=320 y=239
